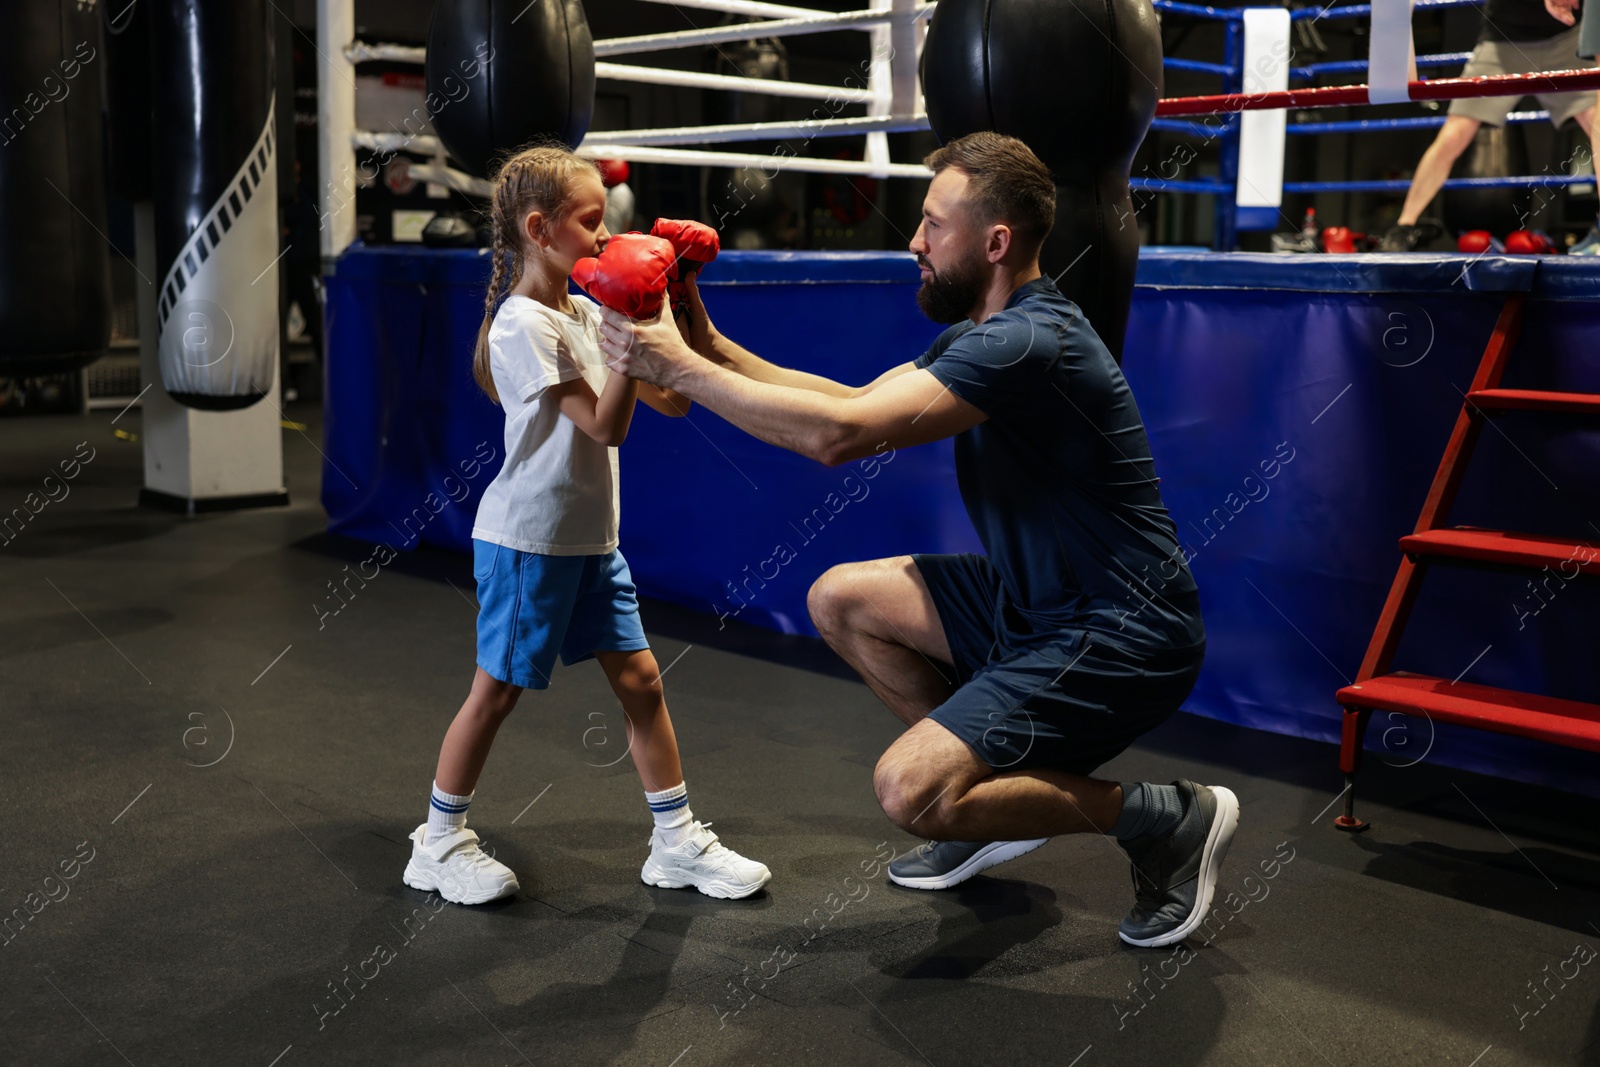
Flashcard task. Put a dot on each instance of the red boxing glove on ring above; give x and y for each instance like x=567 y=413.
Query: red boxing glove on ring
x=1476 y=241
x=1528 y=243
x=695 y=244
x=1338 y=239
x=630 y=275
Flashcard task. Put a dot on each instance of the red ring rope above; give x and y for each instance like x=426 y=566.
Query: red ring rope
x=1337 y=95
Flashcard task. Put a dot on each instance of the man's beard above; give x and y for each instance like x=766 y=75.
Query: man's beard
x=951 y=294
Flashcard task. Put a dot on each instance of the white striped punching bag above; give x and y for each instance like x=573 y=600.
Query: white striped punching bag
x=215 y=200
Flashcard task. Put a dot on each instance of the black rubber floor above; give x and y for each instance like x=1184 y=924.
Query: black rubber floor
x=207 y=791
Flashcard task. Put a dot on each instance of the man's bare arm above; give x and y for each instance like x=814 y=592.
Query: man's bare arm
x=705 y=339
x=729 y=355
x=908 y=409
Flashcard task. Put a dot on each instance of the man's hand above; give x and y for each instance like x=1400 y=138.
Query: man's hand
x=702 y=334
x=651 y=350
x=1562 y=11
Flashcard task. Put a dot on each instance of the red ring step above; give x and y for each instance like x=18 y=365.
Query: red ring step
x=1545 y=718
x=1534 y=400
x=1503 y=546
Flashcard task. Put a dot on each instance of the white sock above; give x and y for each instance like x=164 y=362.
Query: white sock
x=447 y=813
x=671 y=810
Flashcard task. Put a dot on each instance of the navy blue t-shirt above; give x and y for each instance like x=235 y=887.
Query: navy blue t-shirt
x=1059 y=481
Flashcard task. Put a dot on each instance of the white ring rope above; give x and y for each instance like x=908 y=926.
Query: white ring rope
x=867 y=19
x=753 y=8
x=750 y=31
x=361 y=52
x=802 y=164
x=371 y=51
x=730 y=82
x=891 y=97
x=758 y=131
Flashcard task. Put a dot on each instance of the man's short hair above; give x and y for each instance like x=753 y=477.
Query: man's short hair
x=1006 y=183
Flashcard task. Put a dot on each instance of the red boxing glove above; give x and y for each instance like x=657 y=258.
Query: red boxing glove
x=1338 y=239
x=612 y=171
x=1528 y=243
x=1476 y=241
x=696 y=244
x=630 y=274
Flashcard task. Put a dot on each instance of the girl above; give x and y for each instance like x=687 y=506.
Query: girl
x=550 y=578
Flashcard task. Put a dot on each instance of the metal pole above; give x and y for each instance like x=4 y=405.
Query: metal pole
x=336 y=121
x=1226 y=209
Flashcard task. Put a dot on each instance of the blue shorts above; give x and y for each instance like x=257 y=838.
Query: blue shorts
x=1068 y=700
x=532 y=606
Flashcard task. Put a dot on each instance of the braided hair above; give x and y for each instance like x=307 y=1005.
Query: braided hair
x=537 y=178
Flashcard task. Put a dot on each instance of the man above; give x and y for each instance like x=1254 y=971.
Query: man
x=1566 y=13
x=1019 y=672
x=1517 y=37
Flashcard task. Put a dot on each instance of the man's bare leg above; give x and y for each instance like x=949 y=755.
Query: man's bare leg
x=879 y=617
x=881 y=620
x=932 y=784
x=1434 y=166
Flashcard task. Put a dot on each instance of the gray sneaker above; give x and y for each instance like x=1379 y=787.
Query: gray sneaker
x=1589 y=246
x=1174 y=876
x=942 y=864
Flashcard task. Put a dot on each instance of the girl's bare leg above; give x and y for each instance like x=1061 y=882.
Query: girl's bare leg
x=466 y=743
x=636 y=680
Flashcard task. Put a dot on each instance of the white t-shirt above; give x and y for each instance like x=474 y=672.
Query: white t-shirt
x=557 y=493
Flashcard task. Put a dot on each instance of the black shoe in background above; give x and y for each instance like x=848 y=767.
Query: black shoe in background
x=1409 y=238
x=1400 y=239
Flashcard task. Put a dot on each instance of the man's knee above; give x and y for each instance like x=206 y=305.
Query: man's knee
x=1457 y=133
x=831 y=599
x=909 y=798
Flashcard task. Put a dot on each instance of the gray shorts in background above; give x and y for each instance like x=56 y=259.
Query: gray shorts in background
x=1589 y=33
x=1528 y=57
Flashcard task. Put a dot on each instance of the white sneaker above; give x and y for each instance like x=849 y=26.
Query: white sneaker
x=457 y=869
x=705 y=863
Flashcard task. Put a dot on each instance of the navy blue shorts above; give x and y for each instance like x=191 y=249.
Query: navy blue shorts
x=531 y=607
x=1069 y=700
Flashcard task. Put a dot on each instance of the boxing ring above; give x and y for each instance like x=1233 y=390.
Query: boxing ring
x=1341 y=374
x=1225 y=133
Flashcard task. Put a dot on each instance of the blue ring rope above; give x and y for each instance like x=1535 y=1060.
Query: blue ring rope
x=1421 y=122
x=1358 y=11
x=1359 y=66
x=1403 y=184
x=1215 y=187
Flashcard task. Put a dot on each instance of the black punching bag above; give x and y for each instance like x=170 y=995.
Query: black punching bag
x=55 y=263
x=215 y=200
x=130 y=134
x=500 y=74
x=1077 y=81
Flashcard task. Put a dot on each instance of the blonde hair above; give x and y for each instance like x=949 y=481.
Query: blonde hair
x=541 y=177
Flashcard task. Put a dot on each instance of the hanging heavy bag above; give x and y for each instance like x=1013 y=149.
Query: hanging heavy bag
x=215 y=200
x=536 y=79
x=1077 y=82
x=55 y=263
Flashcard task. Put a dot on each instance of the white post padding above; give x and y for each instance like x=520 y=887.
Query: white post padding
x=1261 y=133
x=336 y=121
x=1392 y=59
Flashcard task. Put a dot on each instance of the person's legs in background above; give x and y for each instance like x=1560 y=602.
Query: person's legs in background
x=1589 y=245
x=1432 y=170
